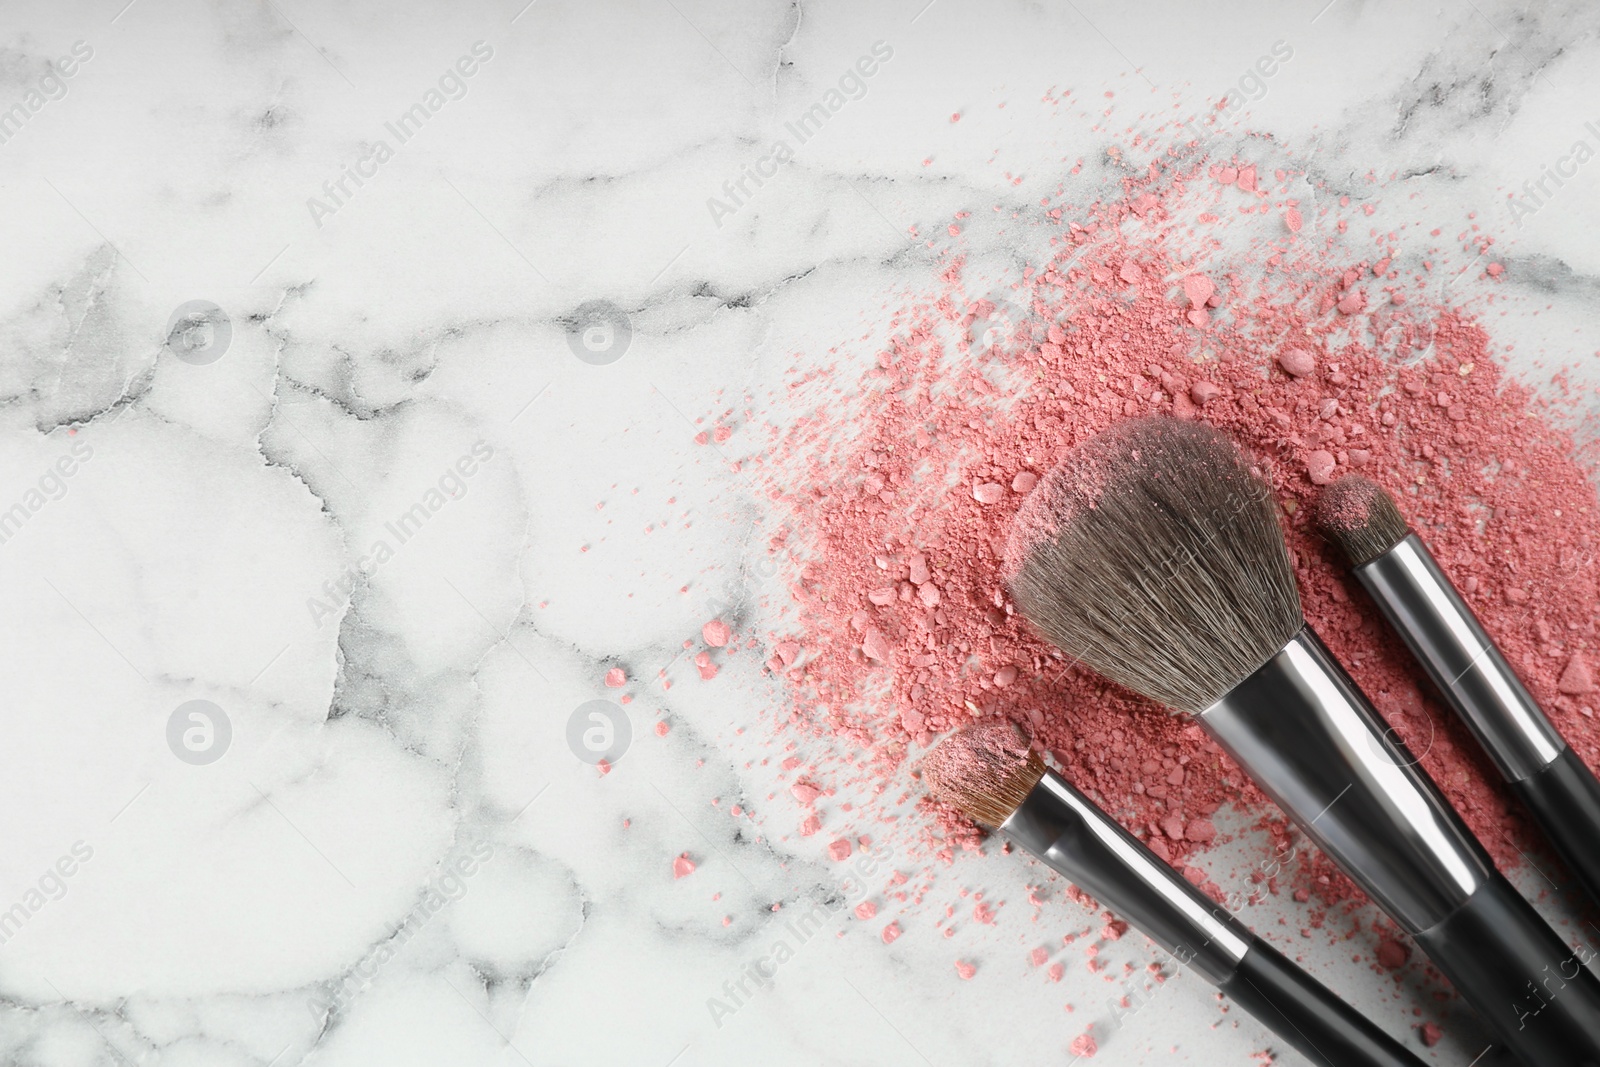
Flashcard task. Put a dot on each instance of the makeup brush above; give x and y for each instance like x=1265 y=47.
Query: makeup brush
x=1469 y=671
x=1153 y=555
x=989 y=771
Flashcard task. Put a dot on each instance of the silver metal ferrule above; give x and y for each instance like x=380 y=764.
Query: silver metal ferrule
x=1445 y=636
x=1065 y=830
x=1312 y=742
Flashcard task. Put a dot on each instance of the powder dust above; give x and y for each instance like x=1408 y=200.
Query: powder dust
x=1317 y=363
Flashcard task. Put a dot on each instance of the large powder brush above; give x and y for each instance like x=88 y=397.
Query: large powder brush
x=1467 y=668
x=1153 y=555
x=990 y=771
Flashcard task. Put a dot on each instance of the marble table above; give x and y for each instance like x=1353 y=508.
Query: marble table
x=353 y=361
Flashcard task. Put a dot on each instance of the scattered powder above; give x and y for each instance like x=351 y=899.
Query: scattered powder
x=1198 y=288
x=1392 y=955
x=715 y=633
x=1575 y=679
x=1320 y=466
x=1297 y=362
x=917 y=488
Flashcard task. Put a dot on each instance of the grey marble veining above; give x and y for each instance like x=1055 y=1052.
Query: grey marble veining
x=305 y=298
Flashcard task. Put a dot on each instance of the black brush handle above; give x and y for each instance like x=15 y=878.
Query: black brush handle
x=1533 y=992
x=1565 y=799
x=1072 y=836
x=1321 y=1027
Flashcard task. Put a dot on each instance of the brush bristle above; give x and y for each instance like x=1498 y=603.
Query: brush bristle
x=1154 y=555
x=986 y=770
x=1359 y=516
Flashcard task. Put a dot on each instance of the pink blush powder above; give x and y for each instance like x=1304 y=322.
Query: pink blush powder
x=1305 y=368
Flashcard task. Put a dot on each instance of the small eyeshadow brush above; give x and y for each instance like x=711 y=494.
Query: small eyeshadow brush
x=991 y=773
x=1467 y=668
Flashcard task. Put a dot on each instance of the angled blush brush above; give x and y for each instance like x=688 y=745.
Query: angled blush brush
x=1153 y=555
x=1467 y=668
x=992 y=774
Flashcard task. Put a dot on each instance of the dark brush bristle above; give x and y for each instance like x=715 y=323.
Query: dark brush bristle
x=986 y=770
x=1359 y=516
x=1154 y=555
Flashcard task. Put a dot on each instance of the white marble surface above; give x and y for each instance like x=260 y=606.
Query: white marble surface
x=418 y=717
